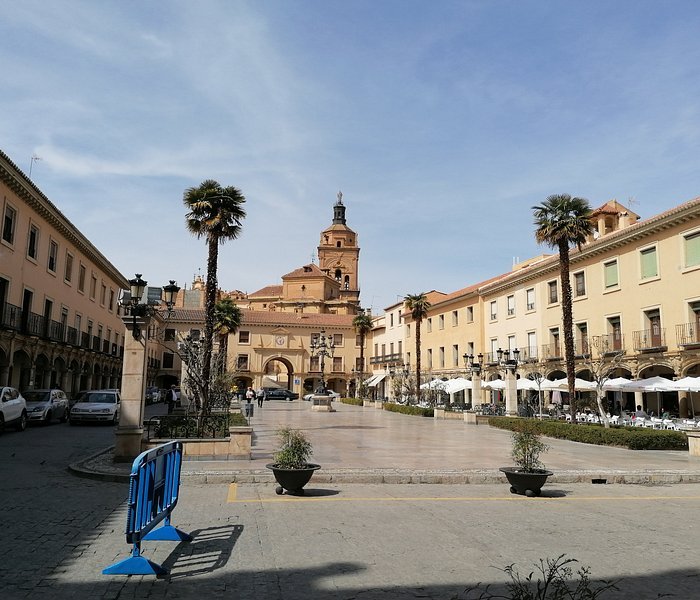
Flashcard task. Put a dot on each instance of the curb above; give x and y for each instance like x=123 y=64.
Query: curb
x=84 y=469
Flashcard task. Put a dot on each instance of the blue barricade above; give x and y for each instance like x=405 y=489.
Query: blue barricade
x=154 y=486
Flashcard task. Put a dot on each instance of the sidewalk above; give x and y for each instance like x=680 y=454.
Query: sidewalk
x=367 y=445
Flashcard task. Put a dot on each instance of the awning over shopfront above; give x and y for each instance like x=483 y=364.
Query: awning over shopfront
x=376 y=380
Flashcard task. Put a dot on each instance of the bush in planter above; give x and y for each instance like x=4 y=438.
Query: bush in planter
x=295 y=449
x=527 y=447
x=408 y=410
x=353 y=401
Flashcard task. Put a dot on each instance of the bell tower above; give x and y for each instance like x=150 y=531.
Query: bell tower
x=339 y=254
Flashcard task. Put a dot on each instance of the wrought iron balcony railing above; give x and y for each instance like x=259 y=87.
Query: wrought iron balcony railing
x=687 y=334
x=649 y=340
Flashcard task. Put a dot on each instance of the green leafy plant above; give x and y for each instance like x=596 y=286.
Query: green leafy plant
x=295 y=449
x=527 y=447
x=552 y=580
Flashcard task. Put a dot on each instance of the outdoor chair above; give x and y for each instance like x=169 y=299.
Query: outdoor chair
x=669 y=424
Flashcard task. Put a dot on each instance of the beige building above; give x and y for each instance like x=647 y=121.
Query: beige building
x=636 y=288
x=60 y=319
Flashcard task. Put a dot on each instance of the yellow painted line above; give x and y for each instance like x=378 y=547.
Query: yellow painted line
x=514 y=498
x=232 y=493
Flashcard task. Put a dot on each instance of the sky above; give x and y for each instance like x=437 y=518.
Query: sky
x=442 y=122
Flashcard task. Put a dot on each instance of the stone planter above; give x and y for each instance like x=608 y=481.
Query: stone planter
x=292 y=480
x=693 y=442
x=367 y=402
x=322 y=403
x=236 y=446
x=470 y=418
x=526 y=483
x=378 y=404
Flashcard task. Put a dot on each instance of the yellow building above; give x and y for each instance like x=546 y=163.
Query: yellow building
x=636 y=289
x=60 y=321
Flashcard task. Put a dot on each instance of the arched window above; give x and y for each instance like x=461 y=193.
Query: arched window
x=338 y=275
x=347 y=282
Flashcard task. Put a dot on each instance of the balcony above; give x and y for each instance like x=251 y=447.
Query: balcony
x=611 y=343
x=11 y=317
x=385 y=359
x=688 y=336
x=581 y=347
x=529 y=354
x=650 y=340
x=552 y=351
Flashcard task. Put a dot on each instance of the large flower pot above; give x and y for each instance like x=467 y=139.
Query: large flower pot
x=525 y=483
x=292 y=480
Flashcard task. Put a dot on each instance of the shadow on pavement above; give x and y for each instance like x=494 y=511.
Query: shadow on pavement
x=209 y=550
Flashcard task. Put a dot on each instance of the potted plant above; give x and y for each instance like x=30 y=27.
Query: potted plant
x=529 y=474
x=291 y=466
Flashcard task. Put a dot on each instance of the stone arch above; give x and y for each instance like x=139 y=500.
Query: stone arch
x=270 y=369
x=4 y=366
x=21 y=370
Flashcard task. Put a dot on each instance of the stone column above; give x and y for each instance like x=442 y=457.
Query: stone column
x=130 y=430
x=476 y=389
x=511 y=393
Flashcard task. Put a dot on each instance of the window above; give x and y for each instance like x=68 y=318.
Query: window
x=441 y=356
x=168 y=360
x=455 y=318
x=314 y=364
x=338 y=364
x=429 y=326
x=68 y=271
x=579 y=284
x=244 y=337
x=8 y=225
x=554 y=337
x=53 y=256
x=455 y=355
x=531 y=344
x=337 y=339
x=93 y=286
x=610 y=274
x=553 y=292
x=81 y=278
x=494 y=310
x=511 y=305
x=649 y=267
x=195 y=334
x=391 y=319
x=615 y=332
x=242 y=362
x=358 y=340
x=33 y=242
x=691 y=249
x=358 y=365
x=103 y=294
x=169 y=335
x=408 y=330
x=441 y=322
x=581 y=339
x=430 y=358
x=511 y=343
x=654 y=333
x=530 y=298
x=470 y=314
x=111 y=299
x=400 y=347
x=391 y=347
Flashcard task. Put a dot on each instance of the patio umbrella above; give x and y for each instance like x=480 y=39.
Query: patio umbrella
x=433 y=384
x=527 y=384
x=494 y=384
x=652 y=384
x=457 y=385
x=687 y=384
x=562 y=385
x=616 y=384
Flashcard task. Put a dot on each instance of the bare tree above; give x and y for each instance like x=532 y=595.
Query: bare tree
x=602 y=362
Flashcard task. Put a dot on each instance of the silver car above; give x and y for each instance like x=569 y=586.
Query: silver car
x=46 y=405
x=96 y=406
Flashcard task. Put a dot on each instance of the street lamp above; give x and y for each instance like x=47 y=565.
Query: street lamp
x=474 y=367
x=136 y=308
x=510 y=365
x=322 y=346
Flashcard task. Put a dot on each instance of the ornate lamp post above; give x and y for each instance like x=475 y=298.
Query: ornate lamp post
x=322 y=346
x=510 y=365
x=136 y=319
x=474 y=368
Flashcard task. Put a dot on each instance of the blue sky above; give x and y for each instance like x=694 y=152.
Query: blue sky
x=442 y=122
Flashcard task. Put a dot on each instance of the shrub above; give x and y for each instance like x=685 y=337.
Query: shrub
x=633 y=438
x=353 y=401
x=237 y=419
x=408 y=410
x=527 y=447
x=295 y=449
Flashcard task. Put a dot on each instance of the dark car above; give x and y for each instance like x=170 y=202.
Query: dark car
x=280 y=394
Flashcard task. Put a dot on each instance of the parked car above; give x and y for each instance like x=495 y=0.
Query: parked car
x=46 y=405
x=153 y=395
x=280 y=394
x=13 y=409
x=331 y=393
x=96 y=406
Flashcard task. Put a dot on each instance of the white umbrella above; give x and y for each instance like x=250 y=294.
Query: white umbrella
x=457 y=385
x=652 y=384
x=433 y=384
x=562 y=385
x=494 y=384
x=687 y=384
x=527 y=384
x=616 y=384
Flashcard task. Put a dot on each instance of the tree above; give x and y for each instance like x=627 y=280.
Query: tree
x=363 y=325
x=215 y=213
x=563 y=221
x=418 y=304
x=227 y=319
x=602 y=362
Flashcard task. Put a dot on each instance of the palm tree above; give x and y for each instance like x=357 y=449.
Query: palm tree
x=418 y=305
x=227 y=319
x=561 y=222
x=363 y=325
x=215 y=213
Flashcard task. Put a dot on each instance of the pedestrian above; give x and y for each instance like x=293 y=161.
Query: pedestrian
x=261 y=397
x=170 y=398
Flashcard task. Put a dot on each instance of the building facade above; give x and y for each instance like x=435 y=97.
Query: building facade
x=60 y=318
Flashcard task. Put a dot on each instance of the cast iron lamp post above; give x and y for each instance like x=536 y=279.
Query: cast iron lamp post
x=475 y=369
x=322 y=346
x=138 y=314
x=510 y=365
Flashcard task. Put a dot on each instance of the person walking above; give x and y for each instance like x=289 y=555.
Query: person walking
x=261 y=395
x=170 y=399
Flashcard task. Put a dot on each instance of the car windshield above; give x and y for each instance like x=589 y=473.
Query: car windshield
x=101 y=397
x=36 y=396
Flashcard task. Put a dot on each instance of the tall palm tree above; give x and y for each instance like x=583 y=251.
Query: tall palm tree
x=561 y=222
x=214 y=213
x=363 y=325
x=227 y=319
x=418 y=304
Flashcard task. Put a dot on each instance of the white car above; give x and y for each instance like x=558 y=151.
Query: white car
x=96 y=406
x=13 y=409
x=46 y=405
x=331 y=393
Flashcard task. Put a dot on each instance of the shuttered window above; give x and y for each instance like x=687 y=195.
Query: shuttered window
x=648 y=263
x=692 y=249
x=611 y=278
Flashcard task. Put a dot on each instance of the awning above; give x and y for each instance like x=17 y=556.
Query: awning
x=370 y=380
x=377 y=379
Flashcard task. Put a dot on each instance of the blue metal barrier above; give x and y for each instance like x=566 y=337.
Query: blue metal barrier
x=154 y=486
